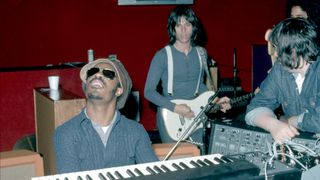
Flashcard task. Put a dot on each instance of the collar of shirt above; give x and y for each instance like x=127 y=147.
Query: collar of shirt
x=299 y=80
x=96 y=125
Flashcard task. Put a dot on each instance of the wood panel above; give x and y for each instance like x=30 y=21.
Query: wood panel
x=20 y=165
x=50 y=112
x=183 y=150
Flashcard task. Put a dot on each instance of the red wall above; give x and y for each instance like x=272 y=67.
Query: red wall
x=38 y=32
x=17 y=110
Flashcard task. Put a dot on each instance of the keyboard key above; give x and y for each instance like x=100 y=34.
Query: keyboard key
x=110 y=176
x=118 y=175
x=136 y=170
x=101 y=176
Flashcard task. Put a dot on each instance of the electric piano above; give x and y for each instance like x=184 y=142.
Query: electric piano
x=214 y=166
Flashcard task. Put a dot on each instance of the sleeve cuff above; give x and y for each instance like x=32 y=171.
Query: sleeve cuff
x=253 y=114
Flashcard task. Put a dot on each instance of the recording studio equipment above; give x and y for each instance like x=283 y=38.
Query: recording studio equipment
x=276 y=169
x=213 y=166
x=231 y=86
x=242 y=141
x=238 y=137
x=227 y=85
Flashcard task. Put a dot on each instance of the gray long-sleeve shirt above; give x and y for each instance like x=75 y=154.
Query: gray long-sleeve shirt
x=185 y=77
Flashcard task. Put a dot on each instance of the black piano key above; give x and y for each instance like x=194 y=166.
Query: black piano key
x=79 y=178
x=176 y=166
x=219 y=160
x=101 y=176
x=156 y=168
x=118 y=175
x=165 y=168
x=226 y=160
x=66 y=178
x=88 y=177
x=136 y=170
x=208 y=162
x=110 y=176
x=151 y=171
x=130 y=173
x=202 y=163
x=194 y=163
x=184 y=165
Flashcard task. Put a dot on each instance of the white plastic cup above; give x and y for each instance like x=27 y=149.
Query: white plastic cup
x=90 y=55
x=53 y=82
x=54 y=94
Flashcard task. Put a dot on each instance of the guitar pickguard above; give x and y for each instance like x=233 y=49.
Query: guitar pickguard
x=175 y=124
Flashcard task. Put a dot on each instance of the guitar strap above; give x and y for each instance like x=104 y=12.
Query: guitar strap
x=170 y=70
x=203 y=56
x=199 y=78
x=203 y=64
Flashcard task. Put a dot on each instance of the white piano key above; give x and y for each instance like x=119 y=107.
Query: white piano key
x=94 y=174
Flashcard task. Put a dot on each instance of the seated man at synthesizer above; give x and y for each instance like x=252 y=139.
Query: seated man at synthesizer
x=100 y=137
x=293 y=82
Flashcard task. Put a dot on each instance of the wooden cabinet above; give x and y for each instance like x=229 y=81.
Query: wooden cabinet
x=20 y=165
x=184 y=150
x=52 y=108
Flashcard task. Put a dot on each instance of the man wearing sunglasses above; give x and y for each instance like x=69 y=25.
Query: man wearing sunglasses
x=100 y=137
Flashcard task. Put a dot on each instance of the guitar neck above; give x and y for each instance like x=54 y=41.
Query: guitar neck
x=235 y=102
x=240 y=99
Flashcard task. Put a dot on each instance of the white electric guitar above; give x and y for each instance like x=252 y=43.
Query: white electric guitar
x=176 y=125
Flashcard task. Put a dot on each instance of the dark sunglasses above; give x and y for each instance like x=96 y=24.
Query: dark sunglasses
x=106 y=72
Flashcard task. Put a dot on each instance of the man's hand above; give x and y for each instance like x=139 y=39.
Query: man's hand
x=184 y=110
x=224 y=103
x=283 y=131
x=280 y=130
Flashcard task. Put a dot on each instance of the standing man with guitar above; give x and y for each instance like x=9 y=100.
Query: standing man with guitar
x=180 y=67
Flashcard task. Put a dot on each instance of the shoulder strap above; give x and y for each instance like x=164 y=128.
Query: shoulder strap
x=170 y=69
x=203 y=56
x=203 y=64
x=201 y=53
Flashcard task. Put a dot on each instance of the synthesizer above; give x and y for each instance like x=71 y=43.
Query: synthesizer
x=275 y=169
x=214 y=166
x=238 y=137
x=239 y=140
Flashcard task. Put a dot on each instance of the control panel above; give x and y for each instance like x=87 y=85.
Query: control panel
x=275 y=169
x=237 y=137
x=241 y=141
